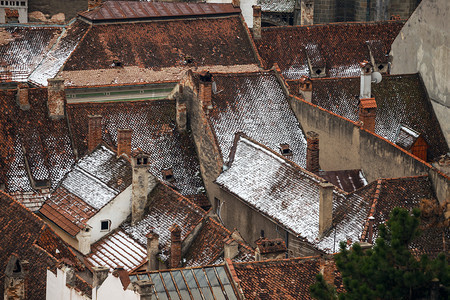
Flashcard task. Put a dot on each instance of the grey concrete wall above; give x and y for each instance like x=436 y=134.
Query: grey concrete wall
x=423 y=45
x=343 y=145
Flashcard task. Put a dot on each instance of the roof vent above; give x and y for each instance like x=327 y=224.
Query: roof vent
x=285 y=150
x=168 y=174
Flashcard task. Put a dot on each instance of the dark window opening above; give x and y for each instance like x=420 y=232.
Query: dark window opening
x=189 y=59
x=105 y=225
x=168 y=174
x=17 y=267
x=380 y=67
x=217 y=203
x=367 y=70
x=117 y=63
x=318 y=71
x=262 y=233
x=139 y=161
x=145 y=160
x=22 y=3
x=285 y=149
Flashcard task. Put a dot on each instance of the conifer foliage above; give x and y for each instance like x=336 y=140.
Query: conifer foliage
x=389 y=270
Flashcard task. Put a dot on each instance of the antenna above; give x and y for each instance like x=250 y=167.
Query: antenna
x=376 y=77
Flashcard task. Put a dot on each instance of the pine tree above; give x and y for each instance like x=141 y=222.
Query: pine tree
x=389 y=270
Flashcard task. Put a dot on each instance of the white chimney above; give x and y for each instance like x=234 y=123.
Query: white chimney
x=366 y=79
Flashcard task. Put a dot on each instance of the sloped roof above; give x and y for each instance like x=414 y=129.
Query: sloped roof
x=211 y=282
x=277 y=188
x=128 y=10
x=117 y=249
x=56 y=56
x=28 y=238
x=282 y=279
x=341 y=45
x=409 y=192
x=30 y=137
x=166 y=43
x=167 y=208
x=347 y=180
x=208 y=246
x=22 y=48
x=153 y=125
x=255 y=104
x=401 y=100
x=95 y=180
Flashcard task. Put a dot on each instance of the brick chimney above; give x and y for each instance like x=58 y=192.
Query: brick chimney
x=307 y=12
x=145 y=289
x=56 y=98
x=270 y=249
x=306 y=88
x=236 y=3
x=325 y=207
x=230 y=248
x=142 y=184
x=368 y=113
x=99 y=275
x=366 y=79
x=94 y=132
x=327 y=268
x=175 y=246
x=124 y=142
x=22 y=96
x=256 y=22
x=152 y=251
x=312 y=152
x=205 y=89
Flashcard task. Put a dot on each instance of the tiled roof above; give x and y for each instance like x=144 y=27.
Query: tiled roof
x=347 y=180
x=169 y=43
x=95 y=180
x=281 y=279
x=279 y=6
x=153 y=125
x=254 y=103
x=128 y=10
x=409 y=192
x=30 y=137
x=27 y=237
x=401 y=101
x=341 y=45
x=167 y=208
x=58 y=54
x=279 y=189
x=212 y=282
x=117 y=249
x=208 y=246
x=22 y=48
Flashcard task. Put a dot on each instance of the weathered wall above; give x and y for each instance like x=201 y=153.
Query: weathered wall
x=324 y=11
x=249 y=222
x=343 y=145
x=423 y=45
x=70 y=8
x=208 y=150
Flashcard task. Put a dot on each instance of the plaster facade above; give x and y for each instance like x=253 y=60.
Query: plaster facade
x=57 y=287
x=423 y=45
x=21 y=6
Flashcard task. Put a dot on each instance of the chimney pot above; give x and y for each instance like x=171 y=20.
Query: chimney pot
x=306 y=88
x=256 y=22
x=236 y=3
x=175 y=247
x=94 y=132
x=205 y=89
x=366 y=79
x=124 y=142
x=22 y=96
x=325 y=207
x=56 y=97
x=371 y=222
x=312 y=152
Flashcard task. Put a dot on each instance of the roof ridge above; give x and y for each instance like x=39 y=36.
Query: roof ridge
x=280 y=260
x=333 y=24
x=372 y=208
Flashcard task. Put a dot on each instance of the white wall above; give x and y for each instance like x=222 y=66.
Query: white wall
x=112 y=288
x=57 y=289
x=116 y=210
x=246 y=7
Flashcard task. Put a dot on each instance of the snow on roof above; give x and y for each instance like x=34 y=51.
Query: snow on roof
x=406 y=137
x=255 y=104
x=59 y=53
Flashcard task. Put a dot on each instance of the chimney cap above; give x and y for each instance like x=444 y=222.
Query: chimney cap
x=152 y=235
x=175 y=228
x=205 y=76
x=312 y=135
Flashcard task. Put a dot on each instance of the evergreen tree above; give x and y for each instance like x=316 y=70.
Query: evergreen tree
x=389 y=270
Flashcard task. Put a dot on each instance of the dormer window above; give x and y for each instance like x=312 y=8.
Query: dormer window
x=105 y=225
x=117 y=63
x=168 y=174
x=285 y=150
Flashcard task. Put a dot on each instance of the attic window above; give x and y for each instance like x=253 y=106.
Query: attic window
x=117 y=63
x=105 y=225
x=285 y=150
x=188 y=59
x=17 y=267
x=318 y=71
x=168 y=174
x=380 y=67
x=142 y=161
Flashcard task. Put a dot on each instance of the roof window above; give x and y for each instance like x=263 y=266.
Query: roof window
x=285 y=150
x=168 y=174
x=105 y=225
x=117 y=63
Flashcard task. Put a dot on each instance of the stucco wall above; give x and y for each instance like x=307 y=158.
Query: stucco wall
x=57 y=289
x=116 y=211
x=112 y=288
x=423 y=45
x=343 y=145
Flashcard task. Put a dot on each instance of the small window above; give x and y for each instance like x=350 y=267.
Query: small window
x=217 y=203
x=105 y=225
x=145 y=160
x=6 y=2
x=2 y=2
x=285 y=149
x=22 y=3
x=139 y=161
x=168 y=174
x=380 y=67
x=262 y=233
